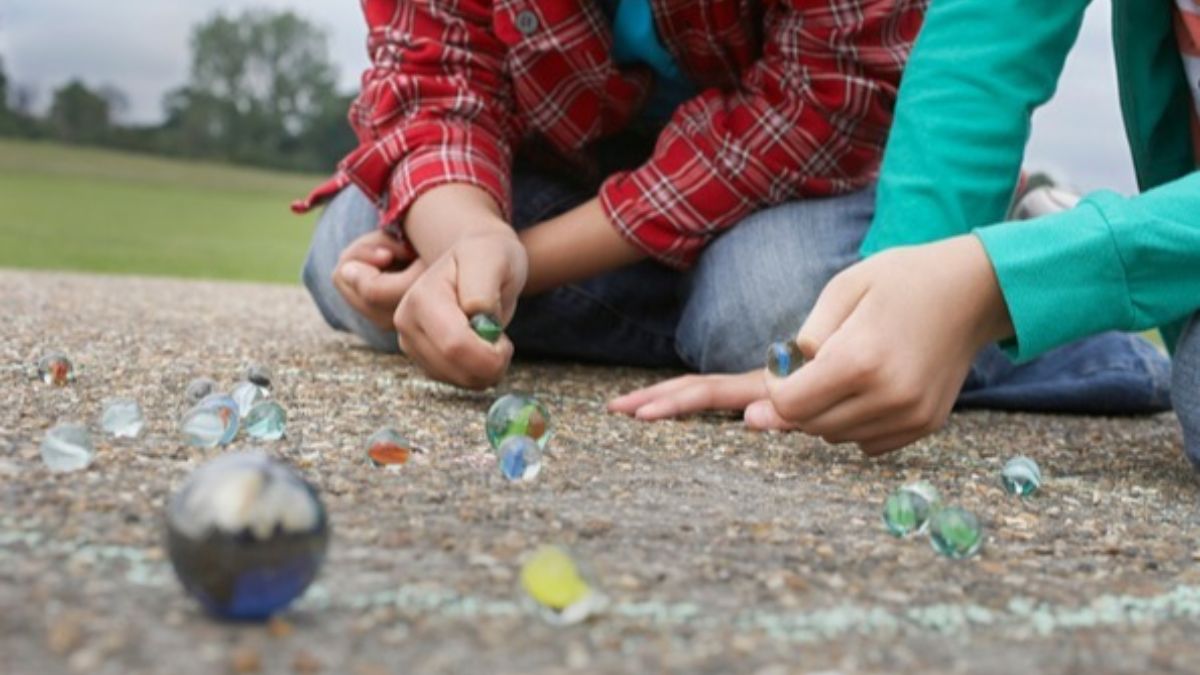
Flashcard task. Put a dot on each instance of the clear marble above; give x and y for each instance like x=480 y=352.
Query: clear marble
x=199 y=389
x=387 y=447
x=122 y=418
x=258 y=374
x=266 y=421
x=1021 y=476
x=907 y=510
x=247 y=395
x=520 y=459
x=784 y=358
x=246 y=535
x=211 y=422
x=56 y=369
x=487 y=326
x=955 y=533
x=67 y=447
x=518 y=415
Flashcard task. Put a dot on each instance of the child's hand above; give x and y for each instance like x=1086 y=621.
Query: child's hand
x=374 y=273
x=692 y=394
x=480 y=272
x=892 y=339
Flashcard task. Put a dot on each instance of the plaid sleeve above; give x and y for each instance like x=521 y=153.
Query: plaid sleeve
x=434 y=107
x=808 y=119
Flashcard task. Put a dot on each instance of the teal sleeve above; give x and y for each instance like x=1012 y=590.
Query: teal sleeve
x=1112 y=263
x=977 y=72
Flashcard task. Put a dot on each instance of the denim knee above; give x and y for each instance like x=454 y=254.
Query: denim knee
x=1185 y=388
x=757 y=283
x=347 y=217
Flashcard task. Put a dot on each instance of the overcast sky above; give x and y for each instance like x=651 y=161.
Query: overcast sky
x=141 y=46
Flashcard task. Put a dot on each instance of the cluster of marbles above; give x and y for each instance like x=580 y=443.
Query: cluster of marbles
x=917 y=508
x=215 y=418
x=784 y=358
x=68 y=446
x=518 y=428
x=387 y=447
x=953 y=532
x=246 y=535
x=563 y=592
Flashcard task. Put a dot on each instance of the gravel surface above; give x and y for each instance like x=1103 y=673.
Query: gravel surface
x=721 y=550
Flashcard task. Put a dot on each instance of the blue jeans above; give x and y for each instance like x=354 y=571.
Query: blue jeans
x=1185 y=388
x=753 y=285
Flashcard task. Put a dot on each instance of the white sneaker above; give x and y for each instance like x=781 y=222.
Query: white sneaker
x=1042 y=201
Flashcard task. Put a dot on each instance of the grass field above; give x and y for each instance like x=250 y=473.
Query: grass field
x=70 y=208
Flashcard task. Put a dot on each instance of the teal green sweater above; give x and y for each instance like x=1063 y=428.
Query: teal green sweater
x=978 y=71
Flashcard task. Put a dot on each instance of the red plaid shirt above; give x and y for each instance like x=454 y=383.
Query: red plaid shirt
x=796 y=100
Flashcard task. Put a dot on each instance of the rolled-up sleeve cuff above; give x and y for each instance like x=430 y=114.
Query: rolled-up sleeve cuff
x=462 y=156
x=1062 y=278
x=642 y=222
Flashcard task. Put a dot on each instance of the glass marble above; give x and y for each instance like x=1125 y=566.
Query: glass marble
x=1021 y=476
x=487 y=326
x=56 y=369
x=211 y=422
x=199 y=389
x=257 y=373
x=122 y=418
x=520 y=458
x=518 y=415
x=564 y=593
x=907 y=510
x=266 y=421
x=67 y=447
x=246 y=535
x=247 y=395
x=955 y=533
x=784 y=358
x=387 y=447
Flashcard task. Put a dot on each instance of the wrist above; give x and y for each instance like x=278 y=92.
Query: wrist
x=992 y=321
x=448 y=213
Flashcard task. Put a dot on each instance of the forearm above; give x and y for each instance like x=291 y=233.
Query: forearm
x=976 y=74
x=577 y=245
x=445 y=214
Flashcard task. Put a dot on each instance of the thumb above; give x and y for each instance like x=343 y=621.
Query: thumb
x=836 y=302
x=480 y=279
x=389 y=288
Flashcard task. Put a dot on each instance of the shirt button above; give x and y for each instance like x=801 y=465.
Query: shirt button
x=527 y=22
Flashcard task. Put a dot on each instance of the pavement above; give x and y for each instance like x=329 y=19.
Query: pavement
x=721 y=550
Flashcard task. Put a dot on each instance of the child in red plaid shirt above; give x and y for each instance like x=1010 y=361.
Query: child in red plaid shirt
x=660 y=182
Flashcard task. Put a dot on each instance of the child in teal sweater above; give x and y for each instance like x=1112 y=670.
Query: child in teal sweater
x=892 y=339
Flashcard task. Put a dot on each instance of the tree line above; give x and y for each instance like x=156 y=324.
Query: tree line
x=261 y=90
